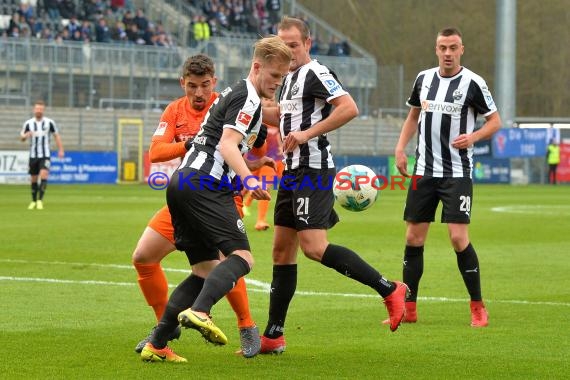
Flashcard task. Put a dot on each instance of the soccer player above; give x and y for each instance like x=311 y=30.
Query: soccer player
x=445 y=102
x=38 y=130
x=304 y=213
x=200 y=201
x=177 y=127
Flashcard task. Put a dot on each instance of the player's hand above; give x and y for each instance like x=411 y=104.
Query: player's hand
x=261 y=136
x=24 y=136
x=463 y=141
x=402 y=163
x=256 y=190
x=60 y=153
x=188 y=143
x=293 y=140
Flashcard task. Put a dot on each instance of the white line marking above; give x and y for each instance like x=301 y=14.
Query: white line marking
x=261 y=287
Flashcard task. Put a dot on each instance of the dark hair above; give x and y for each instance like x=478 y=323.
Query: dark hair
x=291 y=22
x=450 y=31
x=39 y=102
x=199 y=64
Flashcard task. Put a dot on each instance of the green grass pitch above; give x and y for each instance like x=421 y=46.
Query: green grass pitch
x=71 y=307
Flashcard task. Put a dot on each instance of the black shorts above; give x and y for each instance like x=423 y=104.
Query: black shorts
x=37 y=164
x=305 y=199
x=455 y=194
x=205 y=220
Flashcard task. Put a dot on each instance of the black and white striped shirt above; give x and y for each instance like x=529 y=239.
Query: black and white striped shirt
x=237 y=107
x=40 y=139
x=304 y=101
x=449 y=107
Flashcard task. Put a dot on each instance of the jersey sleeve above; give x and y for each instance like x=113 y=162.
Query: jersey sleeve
x=25 y=128
x=53 y=127
x=163 y=146
x=482 y=100
x=243 y=112
x=324 y=84
x=414 y=99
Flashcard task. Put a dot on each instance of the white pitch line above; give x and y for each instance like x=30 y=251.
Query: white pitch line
x=261 y=287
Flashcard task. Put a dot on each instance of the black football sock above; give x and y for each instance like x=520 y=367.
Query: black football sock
x=283 y=286
x=34 y=191
x=181 y=299
x=413 y=270
x=43 y=186
x=468 y=265
x=349 y=264
x=220 y=281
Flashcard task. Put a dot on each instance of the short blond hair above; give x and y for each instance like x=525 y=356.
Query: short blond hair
x=271 y=49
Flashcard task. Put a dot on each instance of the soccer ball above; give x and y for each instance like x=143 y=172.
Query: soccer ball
x=356 y=187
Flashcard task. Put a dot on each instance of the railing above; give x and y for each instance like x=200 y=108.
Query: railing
x=74 y=74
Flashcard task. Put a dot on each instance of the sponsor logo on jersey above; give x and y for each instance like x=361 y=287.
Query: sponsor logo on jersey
x=244 y=119
x=441 y=107
x=290 y=106
x=241 y=226
x=161 y=128
x=332 y=86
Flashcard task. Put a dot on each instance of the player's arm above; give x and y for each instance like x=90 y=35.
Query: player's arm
x=345 y=109
x=161 y=151
x=408 y=131
x=163 y=147
x=492 y=125
x=271 y=115
x=25 y=133
x=232 y=155
x=60 y=151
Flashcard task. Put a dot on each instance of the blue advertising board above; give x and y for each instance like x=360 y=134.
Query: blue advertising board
x=491 y=170
x=520 y=142
x=84 y=167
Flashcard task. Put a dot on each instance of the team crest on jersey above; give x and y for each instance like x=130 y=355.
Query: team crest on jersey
x=241 y=226
x=295 y=89
x=161 y=128
x=457 y=94
x=244 y=119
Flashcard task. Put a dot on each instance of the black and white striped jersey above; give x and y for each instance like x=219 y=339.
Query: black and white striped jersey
x=237 y=107
x=40 y=139
x=304 y=101
x=449 y=107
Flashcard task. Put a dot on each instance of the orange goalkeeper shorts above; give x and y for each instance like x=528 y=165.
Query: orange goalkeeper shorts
x=161 y=222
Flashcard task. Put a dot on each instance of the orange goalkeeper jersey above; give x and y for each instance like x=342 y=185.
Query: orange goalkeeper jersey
x=178 y=123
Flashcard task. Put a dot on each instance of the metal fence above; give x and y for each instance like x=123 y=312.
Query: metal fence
x=72 y=74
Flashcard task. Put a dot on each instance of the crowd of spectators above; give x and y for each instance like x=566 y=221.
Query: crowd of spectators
x=117 y=21
x=110 y=21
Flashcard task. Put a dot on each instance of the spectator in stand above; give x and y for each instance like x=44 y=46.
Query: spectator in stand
x=102 y=31
x=36 y=26
x=201 y=30
x=90 y=10
x=128 y=19
x=118 y=33
x=134 y=35
x=336 y=48
x=66 y=8
x=117 y=5
x=73 y=25
x=15 y=25
x=274 y=9
x=86 y=30
x=76 y=36
x=141 y=20
x=345 y=47
x=26 y=12
x=52 y=9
